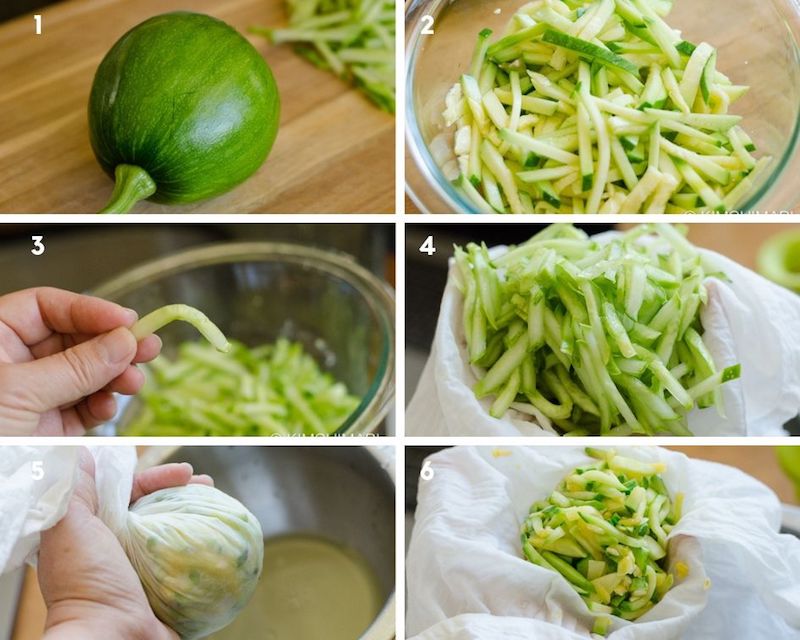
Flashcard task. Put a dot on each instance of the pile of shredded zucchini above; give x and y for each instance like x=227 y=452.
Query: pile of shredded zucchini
x=354 y=39
x=604 y=529
x=597 y=338
x=598 y=107
x=275 y=389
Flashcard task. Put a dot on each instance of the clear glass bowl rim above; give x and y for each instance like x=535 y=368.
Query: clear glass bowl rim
x=377 y=294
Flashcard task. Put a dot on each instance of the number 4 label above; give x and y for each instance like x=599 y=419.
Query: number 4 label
x=428 y=246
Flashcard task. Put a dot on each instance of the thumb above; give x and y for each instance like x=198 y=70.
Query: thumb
x=86 y=489
x=67 y=377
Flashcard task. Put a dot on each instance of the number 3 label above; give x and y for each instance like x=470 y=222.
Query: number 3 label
x=38 y=245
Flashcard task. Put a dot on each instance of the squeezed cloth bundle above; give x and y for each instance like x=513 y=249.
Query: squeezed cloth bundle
x=197 y=551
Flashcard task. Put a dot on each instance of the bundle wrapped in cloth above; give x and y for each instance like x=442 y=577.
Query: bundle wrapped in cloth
x=197 y=551
x=746 y=327
x=733 y=574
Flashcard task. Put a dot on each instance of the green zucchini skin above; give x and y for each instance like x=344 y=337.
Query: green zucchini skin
x=189 y=100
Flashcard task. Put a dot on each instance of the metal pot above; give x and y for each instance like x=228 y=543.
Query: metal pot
x=345 y=494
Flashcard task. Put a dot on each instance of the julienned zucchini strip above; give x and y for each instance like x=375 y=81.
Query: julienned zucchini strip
x=598 y=107
x=596 y=339
x=163 y=316
x=354 y=39
x=604 y=529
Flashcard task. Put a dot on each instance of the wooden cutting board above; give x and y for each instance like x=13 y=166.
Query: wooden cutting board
x=759 y=462
x=334 y=152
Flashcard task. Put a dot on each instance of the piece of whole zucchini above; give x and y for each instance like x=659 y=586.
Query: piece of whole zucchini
x=182 y=108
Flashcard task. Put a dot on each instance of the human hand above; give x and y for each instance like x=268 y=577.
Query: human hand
x=62 y=357
x=89 y=586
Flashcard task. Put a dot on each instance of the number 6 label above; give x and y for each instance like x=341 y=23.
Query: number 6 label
x=427 y=472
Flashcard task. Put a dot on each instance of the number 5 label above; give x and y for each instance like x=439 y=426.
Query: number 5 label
x=37 y=469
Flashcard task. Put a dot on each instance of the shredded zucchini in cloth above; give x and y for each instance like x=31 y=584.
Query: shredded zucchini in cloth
x=354 y=39
x=595 y=338
x=598 y=107
x=604 y=529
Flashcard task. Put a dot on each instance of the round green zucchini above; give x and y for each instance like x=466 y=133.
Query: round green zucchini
x=182 y=108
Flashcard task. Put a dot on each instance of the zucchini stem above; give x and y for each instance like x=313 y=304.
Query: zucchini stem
x=157 y=319
x=131 y=185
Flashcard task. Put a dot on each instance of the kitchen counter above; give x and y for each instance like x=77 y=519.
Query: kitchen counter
x=334 y=152
x=757 y=461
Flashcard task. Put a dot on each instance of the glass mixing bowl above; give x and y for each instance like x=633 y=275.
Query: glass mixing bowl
x=259 y=291
x=757 y=43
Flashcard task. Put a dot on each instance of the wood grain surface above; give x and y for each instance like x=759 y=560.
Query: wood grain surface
x=334 y=152
x=738 y=241
x=31 y=613
x=759 y=462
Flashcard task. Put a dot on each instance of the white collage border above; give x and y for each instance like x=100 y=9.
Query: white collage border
x=398 y=442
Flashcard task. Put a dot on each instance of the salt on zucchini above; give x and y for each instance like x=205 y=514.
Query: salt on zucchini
x=605 y=530
x=608 y=88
